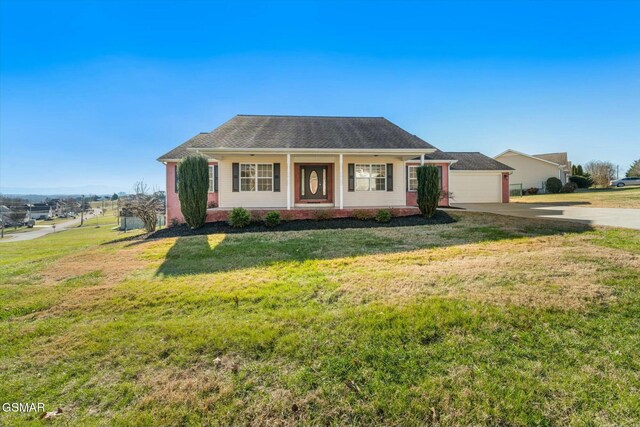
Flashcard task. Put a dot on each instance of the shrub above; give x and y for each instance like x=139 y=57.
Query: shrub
x=193 y=186
x=383 y=215
x=362 y=214
x=428 y=190
x=553 y=185
x=581 y=181
x=322 y=214
x=239 y=218
x=272 y=219
x=569 y=187
x=212 y=205
x=175 y=222
x=532 y=190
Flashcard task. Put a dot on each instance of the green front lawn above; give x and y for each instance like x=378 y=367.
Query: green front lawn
x=628 y=197
x=488 y=321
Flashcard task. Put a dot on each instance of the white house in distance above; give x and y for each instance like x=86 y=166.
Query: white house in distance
x=534 y=170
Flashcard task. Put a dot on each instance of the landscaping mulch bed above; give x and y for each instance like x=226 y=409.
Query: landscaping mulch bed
x=300 y=225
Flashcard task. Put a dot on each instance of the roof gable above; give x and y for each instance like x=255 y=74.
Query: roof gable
x=526 y=155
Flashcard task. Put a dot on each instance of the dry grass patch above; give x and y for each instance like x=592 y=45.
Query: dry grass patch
x=540 y=272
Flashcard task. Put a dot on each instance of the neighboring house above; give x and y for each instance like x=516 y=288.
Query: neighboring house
x=534 y=170
x=346 y=163
x=39 y=211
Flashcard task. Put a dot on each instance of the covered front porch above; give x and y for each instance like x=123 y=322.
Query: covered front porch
x=303 y=184
x=301 y=178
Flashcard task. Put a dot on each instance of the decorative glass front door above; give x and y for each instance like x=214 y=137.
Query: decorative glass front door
x=313 y=182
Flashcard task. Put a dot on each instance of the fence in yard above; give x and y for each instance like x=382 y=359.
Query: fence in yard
x=515 y=190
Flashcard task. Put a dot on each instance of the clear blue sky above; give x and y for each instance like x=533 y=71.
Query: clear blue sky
x=91 y=93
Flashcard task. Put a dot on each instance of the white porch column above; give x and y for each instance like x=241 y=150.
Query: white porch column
x=341 y=192
x=422 y=159
x=288 y=181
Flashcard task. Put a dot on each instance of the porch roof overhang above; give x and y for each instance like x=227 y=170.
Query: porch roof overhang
x=404 y=153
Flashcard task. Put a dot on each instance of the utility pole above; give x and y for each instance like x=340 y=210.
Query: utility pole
x=82 y=211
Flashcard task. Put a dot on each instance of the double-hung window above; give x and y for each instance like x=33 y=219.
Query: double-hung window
x=412 y=178
x=256 y=177
x=371 y=177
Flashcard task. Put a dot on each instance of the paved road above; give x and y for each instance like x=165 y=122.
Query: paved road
x=42 y=230
x=613 y=217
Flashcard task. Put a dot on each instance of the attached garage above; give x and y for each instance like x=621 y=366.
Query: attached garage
x=475 y=187
x=474 y=177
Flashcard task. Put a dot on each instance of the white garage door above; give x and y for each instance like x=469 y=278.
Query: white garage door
x=475 y=187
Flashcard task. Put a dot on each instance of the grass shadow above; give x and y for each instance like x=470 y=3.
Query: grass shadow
x=203 y=254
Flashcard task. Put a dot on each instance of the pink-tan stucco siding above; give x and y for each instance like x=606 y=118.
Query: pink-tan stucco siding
x=173 y=202
x=412 y=196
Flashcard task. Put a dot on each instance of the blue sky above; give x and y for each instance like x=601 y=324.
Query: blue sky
x=91 y=93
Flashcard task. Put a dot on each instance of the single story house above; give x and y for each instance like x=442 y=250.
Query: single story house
x=532 y=171
x=303 y=163
x=39 y=211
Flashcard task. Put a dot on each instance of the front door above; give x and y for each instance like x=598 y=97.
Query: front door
x=313 y=182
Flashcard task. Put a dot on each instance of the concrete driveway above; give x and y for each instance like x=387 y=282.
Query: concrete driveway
x=612 y=217
x=43 y=230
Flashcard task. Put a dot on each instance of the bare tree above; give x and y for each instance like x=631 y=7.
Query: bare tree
x=144 y=205
x=17 y=217
x=601 y=172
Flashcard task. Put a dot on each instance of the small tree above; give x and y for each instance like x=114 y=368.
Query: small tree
x=193 y=185
x=579 y=170
x=601 y=172
x=17 y=217
x=428 y=190
x=634 y=170
x=114 y=197
x=144 y=206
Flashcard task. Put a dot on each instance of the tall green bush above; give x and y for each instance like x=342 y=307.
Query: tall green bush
x=553 y=185
x=428 y=190
x=581 y=181
x=193 y=185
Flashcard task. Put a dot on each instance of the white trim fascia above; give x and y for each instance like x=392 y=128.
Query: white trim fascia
x=165 y=161
x=314 y=150
x=480 y=171
x=417 y=162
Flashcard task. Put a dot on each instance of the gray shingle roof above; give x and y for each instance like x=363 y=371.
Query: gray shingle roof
x=469 y=161
x=559 y=158
x=295 y=132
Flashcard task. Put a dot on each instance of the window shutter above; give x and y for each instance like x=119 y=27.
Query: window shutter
x=236 y=176
x=276 y=177
x=215 y=178
x=406 y=177
x=175 y=178
x=389 y=176
x=351 y=174
x=440 y=177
